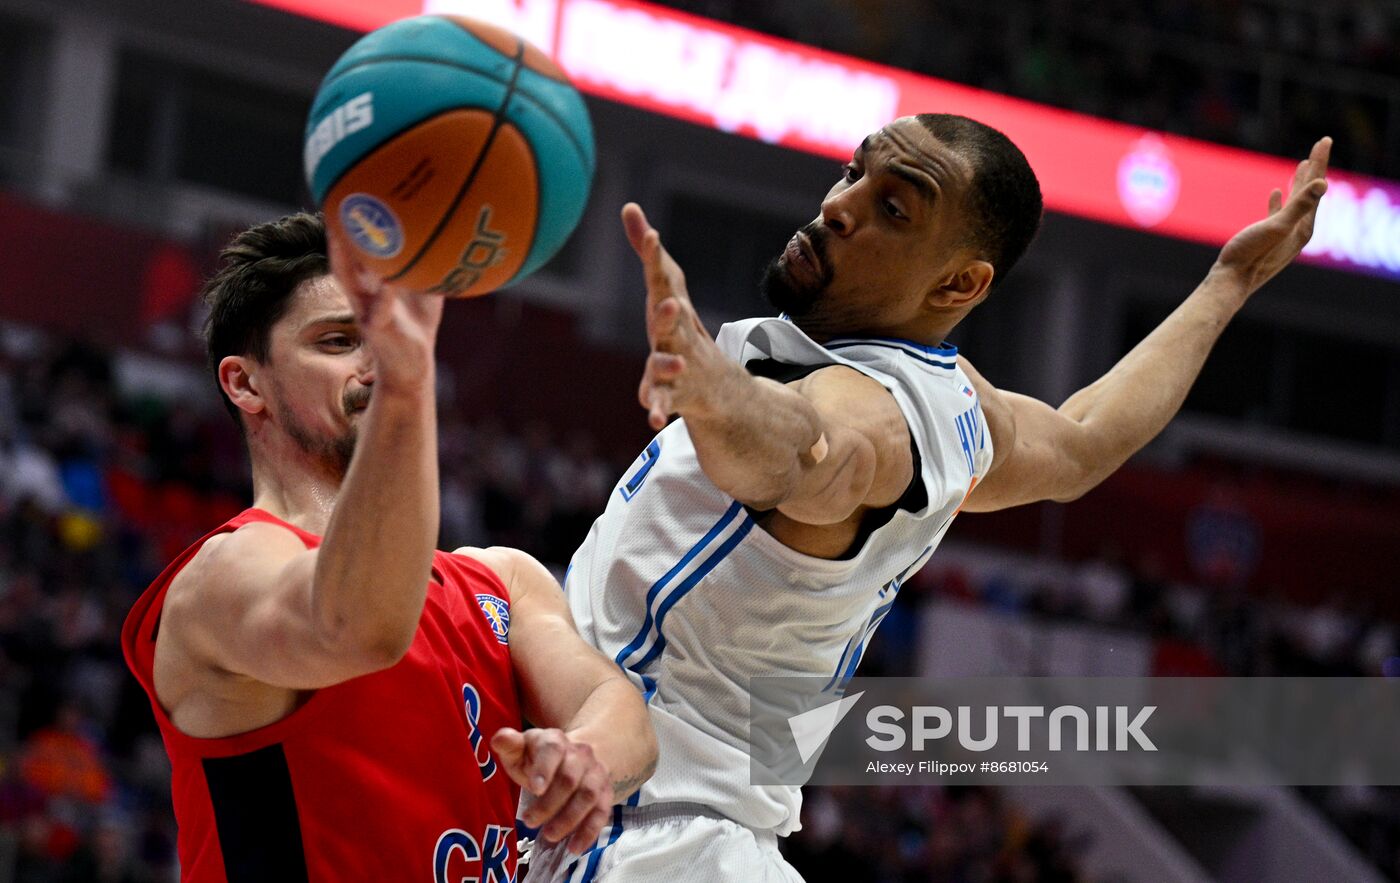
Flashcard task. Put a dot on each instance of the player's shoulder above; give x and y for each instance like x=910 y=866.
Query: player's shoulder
x=227 y=561
x=855 y=391
x=514 y=569
x=226 y=576
x=245 y=546
x=991 y=399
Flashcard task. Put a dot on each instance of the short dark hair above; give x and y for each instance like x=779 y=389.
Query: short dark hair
x=1005 y=198
x=258 y=272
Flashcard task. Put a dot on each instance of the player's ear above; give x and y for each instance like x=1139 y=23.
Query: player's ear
x=964 y=286
x=238 y=379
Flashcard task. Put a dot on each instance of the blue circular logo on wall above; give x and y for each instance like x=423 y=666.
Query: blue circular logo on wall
x=371 y=225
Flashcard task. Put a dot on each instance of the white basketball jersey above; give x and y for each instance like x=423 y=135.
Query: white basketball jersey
x=678 y=585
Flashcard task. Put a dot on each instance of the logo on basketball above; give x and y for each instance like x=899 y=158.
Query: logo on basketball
x=371 y=225
x=497 y=615
x=486 y=250
x=353 y=116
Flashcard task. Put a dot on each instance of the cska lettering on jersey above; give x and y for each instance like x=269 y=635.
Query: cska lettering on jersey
x=484 y=760
x=351 y=117
x=459 y=858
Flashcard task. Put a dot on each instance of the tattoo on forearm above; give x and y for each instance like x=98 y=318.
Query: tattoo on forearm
x=632 y=783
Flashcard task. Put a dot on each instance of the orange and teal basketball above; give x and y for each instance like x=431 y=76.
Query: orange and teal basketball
x=452 y=155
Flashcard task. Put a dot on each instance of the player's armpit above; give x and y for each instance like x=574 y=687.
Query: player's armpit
x=244 y=606
x=868 y=460
x=1038 y=452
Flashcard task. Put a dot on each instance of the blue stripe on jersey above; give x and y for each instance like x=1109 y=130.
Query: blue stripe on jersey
x=657 y=587
x=841 y=663
x=946 y=349
x=596 y=853
x=689 y=583
x=911 y=354
x=846 y=667
x=649 y=682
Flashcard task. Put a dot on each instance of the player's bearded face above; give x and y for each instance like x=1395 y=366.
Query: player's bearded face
x=331 y=447
x=793 y=281
x=319 y=376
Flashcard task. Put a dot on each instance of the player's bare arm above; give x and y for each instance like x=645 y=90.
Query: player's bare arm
x=593 y=744
x=818 y=450
x=256 y=617
x=1045 y=453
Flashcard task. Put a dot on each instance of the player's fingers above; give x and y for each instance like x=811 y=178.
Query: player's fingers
x=1320 y=157
x=659 y=408
x=646 y=387
x=1300 y=175
x=660 y=282
x=664 y=323
x=634 y=223
x=349 y=273
x=675 y=276
x=508 y=746
x=1315 y=166
x=587 y=833
x=1303 y=204
x=665 y=367
x=562 y=785
x=424 y=309
x=585 y=799
x=664 y=276
x=545 y=750
x=1275 y=201
x=1305 y=229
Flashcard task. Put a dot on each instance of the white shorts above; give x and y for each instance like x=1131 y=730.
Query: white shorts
x=667 y=843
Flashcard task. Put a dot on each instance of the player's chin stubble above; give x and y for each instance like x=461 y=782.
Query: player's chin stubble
x=334 y=452
x=785 y=292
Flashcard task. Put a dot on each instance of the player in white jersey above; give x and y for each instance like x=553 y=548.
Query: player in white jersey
x=820 y=459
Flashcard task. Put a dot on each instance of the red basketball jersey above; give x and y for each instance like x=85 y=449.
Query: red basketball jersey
x=384 y=777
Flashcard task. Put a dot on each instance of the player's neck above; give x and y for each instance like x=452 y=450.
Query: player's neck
x=931 y=329
x=297 y=489
x=923 y=332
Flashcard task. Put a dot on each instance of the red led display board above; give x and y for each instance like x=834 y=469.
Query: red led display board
x=808 y=99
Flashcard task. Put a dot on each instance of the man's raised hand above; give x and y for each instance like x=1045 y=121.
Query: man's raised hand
x=1258 y=252
x=685 y=368
x=399 y=327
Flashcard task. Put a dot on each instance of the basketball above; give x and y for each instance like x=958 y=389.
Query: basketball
x=450 y=154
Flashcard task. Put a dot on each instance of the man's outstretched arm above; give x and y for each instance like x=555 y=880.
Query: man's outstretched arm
x=816 y=449
x=1043 y=453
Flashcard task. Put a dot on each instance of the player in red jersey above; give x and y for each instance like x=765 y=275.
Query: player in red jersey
x=340 y=701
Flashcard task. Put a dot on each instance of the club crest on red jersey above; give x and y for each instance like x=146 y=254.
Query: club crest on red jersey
x=497 y=616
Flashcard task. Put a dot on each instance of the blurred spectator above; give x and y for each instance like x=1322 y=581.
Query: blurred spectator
x=1223 y=540
x=953 y=834
x=63 y=761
